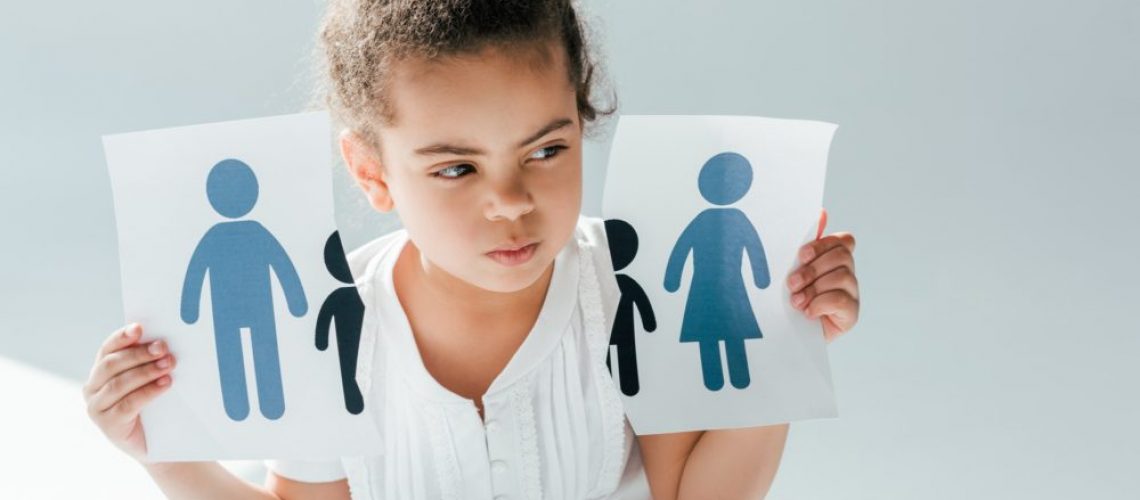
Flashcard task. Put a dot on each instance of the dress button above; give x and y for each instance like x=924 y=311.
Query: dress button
x=499 y=466
x=492 y=425
x=500 y=497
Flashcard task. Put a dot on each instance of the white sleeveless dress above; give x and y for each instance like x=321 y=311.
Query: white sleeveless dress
x=554 y=426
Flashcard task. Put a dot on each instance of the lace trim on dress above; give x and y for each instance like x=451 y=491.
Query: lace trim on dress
x=613 y=416
x=528 y=439
x=448 y=465
x=370 y=327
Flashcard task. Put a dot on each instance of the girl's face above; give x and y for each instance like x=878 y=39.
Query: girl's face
x=485 y=152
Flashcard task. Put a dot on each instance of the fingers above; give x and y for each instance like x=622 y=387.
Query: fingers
x=824 y=286
x=118 y=340
x=122 y=360
x=822 y=223
x=839 y=306
x=126 y=376
x=822 y=245
x=120 y=390
x=128 y=407
x=121 y=338
x=840 y=278
x=830 y=330
x=836 y=256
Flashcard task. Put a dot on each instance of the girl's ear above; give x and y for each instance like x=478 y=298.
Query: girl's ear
x=363 y=162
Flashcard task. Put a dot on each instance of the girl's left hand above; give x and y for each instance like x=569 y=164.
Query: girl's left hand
x=824 y=284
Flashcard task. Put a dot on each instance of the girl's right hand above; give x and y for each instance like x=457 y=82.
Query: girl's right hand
x=126 y=376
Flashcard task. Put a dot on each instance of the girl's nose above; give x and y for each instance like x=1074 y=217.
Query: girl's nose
x=510 y=199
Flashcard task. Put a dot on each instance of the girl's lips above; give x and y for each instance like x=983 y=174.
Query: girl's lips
x=513 y=258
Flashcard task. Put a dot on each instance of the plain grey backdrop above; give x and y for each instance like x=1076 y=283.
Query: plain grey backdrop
x=986 y=162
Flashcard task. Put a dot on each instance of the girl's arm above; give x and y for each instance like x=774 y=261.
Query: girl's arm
x=211 y=480
x=203 y=480
x=734 y=463
x=723 y=463
x=664 y=457
x=288 y=489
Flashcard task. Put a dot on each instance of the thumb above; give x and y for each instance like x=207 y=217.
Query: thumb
x=822 y=223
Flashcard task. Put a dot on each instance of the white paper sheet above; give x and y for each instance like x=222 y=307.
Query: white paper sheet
x=658 y=183
x=164 y=213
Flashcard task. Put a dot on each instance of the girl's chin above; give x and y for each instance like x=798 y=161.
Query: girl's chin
x=504 y=279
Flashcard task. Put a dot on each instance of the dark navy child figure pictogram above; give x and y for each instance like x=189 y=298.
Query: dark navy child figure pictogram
x=622 y=240
x=717 y=309
x=344 y=306
x=239 y=256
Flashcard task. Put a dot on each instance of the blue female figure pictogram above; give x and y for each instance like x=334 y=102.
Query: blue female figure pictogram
x=239 y=257
x=717 y=309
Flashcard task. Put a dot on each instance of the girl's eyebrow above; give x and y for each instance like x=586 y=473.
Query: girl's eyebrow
x=445 y=149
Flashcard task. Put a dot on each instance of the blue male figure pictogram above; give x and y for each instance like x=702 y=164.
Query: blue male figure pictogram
x=239 y=256
x=717 y=309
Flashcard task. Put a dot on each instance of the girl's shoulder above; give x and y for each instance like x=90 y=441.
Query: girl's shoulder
x=591 y=233
x=594 y=243
x=364 y=260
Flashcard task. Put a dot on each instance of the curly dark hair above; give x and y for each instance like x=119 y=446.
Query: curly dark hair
x=360 y=40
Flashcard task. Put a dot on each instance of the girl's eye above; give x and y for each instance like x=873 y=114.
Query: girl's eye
x=549 y=152
x=445 y=173
x=456 y=171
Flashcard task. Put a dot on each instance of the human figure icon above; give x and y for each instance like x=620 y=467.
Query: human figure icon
x=239 y=256
x=717 y=308
x=622 y=240
x=345 y=307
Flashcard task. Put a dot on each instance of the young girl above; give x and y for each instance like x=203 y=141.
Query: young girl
x=483 y=349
